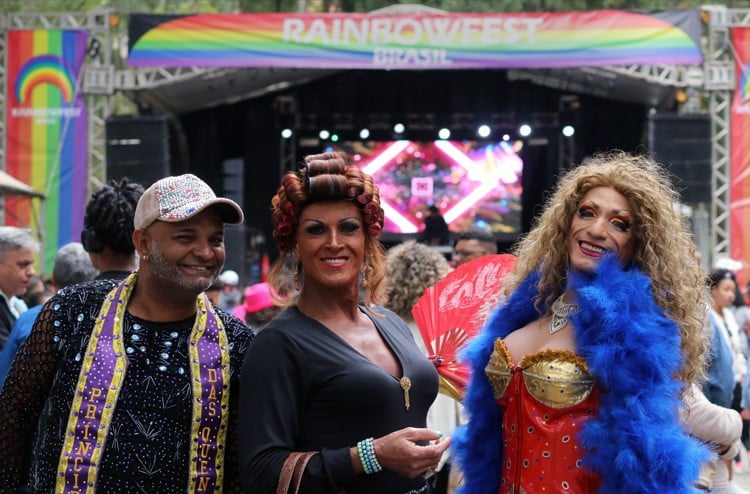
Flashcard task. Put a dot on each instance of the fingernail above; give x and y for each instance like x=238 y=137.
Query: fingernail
x=439 y=433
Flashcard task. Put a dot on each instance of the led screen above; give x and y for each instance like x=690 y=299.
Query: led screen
x=474 y=184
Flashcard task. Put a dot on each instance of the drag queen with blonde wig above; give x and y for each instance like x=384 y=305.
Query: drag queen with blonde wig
x=578 y=374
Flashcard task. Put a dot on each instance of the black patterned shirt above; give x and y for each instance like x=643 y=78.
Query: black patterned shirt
x=147 y=447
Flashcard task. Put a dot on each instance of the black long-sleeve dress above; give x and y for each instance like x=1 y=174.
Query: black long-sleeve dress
x=305 y=389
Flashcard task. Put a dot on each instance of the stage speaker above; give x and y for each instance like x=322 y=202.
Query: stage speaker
x=683 y=144
x=233 y=183
x=137 y=148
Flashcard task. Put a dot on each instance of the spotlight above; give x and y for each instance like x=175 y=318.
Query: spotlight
x=334 y=137
x=568 y=131
x=524 y=130
x=286 y=133
x=444 y=133
x=364 y=133
x=399 y=128
x=506 y=137
x=324 y=134
x=484 y=131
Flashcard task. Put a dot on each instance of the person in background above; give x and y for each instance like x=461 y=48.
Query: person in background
x=231 y=295
x=412 y=268
x=720 y=428
x=214 y=291
x=108 y=228
x=34 y=291
x=727 y=364
x=258 y=306
x=72 y=265
x=597 y=334
x=435 y=230
x=330 y=375
x=131 y=386
x=472 y=244
x=18 y=248
x=719 y=387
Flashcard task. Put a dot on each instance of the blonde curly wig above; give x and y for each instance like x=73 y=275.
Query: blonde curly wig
x=411 y=268
x=664 y=247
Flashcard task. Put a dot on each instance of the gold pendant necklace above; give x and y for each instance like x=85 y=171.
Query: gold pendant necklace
x=406 y=386
x=561 y=310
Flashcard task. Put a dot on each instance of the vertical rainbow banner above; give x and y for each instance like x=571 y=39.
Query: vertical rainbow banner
x=47 y=133
x=739 y=183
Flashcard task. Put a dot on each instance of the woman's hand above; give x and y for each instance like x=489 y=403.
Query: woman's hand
x=399 y=451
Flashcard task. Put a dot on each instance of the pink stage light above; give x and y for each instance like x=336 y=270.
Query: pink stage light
x=385 y=156
x=403 y=223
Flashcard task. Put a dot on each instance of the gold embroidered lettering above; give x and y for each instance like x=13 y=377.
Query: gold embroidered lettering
x=213 y=376
x=77 y=464
x=212 y=409
x=90 y=411
x=75 y=481
x=205 y=450
x=212 y=393
x=202 y=484
x=86 y=430
x=95 y=393
x=83 y=448
x=206 y=434
x=204 y=467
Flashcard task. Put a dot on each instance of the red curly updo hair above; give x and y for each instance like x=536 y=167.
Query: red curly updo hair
x=327 y=177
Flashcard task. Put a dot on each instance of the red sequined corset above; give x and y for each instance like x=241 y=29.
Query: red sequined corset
x=545 y=401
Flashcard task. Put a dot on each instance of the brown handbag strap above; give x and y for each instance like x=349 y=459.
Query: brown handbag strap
x=292 y=470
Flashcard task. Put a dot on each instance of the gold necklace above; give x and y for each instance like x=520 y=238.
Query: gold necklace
x=561 y=310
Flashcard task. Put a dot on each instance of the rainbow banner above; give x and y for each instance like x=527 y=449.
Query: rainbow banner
x=47 y=133
x=739 y=173
x=403 y=41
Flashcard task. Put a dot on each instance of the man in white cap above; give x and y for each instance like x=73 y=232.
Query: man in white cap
x=131 y=387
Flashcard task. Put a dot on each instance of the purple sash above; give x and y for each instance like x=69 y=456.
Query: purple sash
x=100 y=381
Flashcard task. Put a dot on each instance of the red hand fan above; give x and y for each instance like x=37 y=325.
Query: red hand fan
x=447 y=314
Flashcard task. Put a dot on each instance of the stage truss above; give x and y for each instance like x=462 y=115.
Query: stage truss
x=101 y=80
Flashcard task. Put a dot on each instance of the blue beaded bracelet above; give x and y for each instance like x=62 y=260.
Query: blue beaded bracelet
x=366 y=452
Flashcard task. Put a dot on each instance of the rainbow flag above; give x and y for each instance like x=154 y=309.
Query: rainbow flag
x=416 y=41
x=47 y=134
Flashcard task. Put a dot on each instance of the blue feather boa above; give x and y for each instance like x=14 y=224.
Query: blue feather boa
x=635 y=442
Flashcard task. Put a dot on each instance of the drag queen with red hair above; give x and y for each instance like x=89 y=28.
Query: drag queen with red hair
x=578 y=374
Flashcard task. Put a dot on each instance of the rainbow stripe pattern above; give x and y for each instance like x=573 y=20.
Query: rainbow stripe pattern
x=44 y=69
x=739 y=172
x=47 y=134
x=452 y=41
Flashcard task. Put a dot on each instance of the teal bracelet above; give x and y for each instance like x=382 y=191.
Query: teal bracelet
x=366 y=452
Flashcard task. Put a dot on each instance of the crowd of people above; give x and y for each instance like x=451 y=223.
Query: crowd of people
x=609 y=361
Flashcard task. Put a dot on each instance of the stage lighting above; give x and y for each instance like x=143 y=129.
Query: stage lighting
x=484 y=131
x=286 y=133
x=364 y=133
x=334 y=137
x=444 y=133
x=524 y=130
x=568 y=131
x=506 y=137
x=399 y=128
x=324 y=134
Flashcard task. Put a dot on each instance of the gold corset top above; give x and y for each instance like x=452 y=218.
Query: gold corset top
x=556 y=378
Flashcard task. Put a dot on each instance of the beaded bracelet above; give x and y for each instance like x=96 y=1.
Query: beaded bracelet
x=366 y=451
